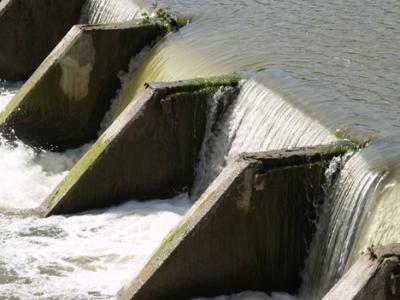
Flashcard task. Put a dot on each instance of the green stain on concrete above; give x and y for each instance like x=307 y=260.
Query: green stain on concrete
x=211 y=83
x=62 y=104
x=93 y=154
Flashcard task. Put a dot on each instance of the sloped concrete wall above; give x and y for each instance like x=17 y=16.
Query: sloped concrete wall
x=63 y=103
x=249 y=231
x=29 y=30
x=150 y=151
x=375 y=276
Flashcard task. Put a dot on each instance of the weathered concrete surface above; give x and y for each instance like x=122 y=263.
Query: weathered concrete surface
x=249 y=231
x=375 y=276
x=29 y=30
x=63 y=103
x=149 y=152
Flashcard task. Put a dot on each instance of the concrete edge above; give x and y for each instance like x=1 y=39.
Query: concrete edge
x=266 y=160
x=133 y=111
x=375 y=275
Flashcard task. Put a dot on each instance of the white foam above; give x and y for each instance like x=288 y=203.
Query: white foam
x=7 y=92
x=27 y=175
x=248 y=295
x=124 y=78
x=83 y=256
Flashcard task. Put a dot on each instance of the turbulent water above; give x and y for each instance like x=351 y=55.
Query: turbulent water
x=332 y=62
x=86 y=256
x=7 y=91
x=316 y=69
x=252 y=296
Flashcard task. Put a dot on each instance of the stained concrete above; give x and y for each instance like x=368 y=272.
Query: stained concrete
x=150 y=151
x=375 y=276
x=249 y=231
x=63 y=103
x=29 y=30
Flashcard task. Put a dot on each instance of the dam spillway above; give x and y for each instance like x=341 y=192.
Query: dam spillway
x=304 y=76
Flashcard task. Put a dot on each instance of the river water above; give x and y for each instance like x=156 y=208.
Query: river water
x=86 y=256
x=336 y=63
x=330 y=67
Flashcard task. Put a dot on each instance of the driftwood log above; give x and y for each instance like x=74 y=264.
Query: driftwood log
x=375 y=276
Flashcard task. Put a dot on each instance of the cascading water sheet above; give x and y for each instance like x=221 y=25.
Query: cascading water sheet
x=108 y=11
x=348 y=199
x=381 y=225
x=258 y=120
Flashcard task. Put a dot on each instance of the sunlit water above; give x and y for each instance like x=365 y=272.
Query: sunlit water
x=108 y=11
x=334 y=62
x=86 y=256
x=339 y=58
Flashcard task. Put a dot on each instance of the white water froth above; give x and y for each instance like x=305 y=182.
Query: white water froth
x=27 y=175
x=258 y=120
x=86 y=256
x=7 y=92
x=108 y=11
x=124 y=78
x=252 y=296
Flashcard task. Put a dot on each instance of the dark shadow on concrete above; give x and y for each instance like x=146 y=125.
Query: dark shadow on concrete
x=250 y=230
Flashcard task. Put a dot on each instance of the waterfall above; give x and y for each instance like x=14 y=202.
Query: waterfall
x=108 y=11
x=348 y=200
x=381 y=224
x=258 y=120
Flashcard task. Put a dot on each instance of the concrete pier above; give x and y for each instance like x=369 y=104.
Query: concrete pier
x=64 y=101
x=150 y=151
x=375 y=276
x=249 y=231
x=29 y=30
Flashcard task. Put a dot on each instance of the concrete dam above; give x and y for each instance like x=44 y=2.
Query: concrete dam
x=190 y=150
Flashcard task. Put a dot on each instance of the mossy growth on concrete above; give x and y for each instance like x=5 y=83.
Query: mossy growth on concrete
x=65 y=100
x=210 y=83
x=250 y=230
x=150 y=151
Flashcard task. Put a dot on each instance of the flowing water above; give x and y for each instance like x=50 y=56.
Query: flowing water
x=7 y=91
x=255 y=122
x=87 y=256
x=108 y=11
x=252 y=296
x=334 y=62
x=317 y=69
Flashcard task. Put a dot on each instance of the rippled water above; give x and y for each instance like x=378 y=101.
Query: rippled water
x=335 y=61
x=338 y=56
